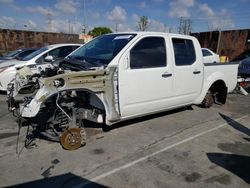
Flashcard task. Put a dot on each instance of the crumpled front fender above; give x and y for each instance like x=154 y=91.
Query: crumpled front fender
x=31 y=109
x=99 y=82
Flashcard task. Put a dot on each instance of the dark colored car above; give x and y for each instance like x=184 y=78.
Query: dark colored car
x=17 y=54
x=244 y=66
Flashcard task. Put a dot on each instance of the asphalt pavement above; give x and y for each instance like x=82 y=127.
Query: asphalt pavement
x=187 y=147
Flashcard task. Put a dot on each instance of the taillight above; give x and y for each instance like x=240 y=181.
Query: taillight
x=243 y=84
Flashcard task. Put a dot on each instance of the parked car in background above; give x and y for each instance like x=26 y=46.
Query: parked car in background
x=244 y=69
x=209 y=56
x=17 y=54
x=45 y=54
x=244 y=65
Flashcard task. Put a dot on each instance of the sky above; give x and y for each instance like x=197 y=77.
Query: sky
x=70 y=16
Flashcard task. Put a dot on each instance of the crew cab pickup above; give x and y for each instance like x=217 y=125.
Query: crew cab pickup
x=117 y=77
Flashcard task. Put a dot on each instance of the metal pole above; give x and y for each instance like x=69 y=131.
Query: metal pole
x=84 y=17
x=69 y=26
x=218 y=43
x=116 y=27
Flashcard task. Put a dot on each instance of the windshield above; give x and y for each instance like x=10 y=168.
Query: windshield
x=35 y=53
x=12 y=54
x=103 y=49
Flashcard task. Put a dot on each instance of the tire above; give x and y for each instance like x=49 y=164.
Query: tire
x=208 y=101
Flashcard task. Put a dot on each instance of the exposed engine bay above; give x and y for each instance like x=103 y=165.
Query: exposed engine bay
x=28 y=77
x=63 y=95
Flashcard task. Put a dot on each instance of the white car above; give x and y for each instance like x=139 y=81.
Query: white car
x=45 y=54
x=209 y=56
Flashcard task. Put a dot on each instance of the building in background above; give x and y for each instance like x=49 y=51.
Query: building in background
x=231 y=43
x=14 y=39
x=85 y=37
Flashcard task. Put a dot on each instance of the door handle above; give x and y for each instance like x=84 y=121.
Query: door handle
x=165 y=75
x=196 y=72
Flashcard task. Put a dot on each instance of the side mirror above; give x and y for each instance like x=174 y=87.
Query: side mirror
x=49 y=58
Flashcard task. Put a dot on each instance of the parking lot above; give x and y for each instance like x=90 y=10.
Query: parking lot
x=188 y=147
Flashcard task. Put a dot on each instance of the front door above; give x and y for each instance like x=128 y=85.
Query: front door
x=145 y=77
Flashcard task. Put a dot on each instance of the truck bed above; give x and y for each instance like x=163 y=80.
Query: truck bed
x=227 y=71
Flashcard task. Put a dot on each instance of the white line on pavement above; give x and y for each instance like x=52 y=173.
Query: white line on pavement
x=150 y=155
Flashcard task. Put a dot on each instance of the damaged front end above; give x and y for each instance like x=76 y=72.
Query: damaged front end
x=63 y=100
x=83 y=86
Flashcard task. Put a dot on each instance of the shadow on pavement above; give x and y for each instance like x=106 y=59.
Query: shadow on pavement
x=62 y=181
x=237 y=164
x=135 y=120
x=236 y=125
x=3 y=93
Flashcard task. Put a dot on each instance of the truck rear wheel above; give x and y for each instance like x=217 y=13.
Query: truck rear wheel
x=208 y=101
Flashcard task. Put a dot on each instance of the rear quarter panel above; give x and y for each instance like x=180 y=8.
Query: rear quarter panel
x=214 y=72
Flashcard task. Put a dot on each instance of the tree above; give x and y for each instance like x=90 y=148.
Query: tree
x=97 y=31
x=143 y=23
x=185 y=26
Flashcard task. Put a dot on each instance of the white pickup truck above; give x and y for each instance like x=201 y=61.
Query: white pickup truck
x=117 y=77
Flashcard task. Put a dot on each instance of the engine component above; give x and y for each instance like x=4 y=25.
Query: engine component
x=58 y=83
x=73 y=138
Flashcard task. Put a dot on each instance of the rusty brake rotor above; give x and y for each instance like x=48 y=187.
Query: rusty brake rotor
x=72 y=138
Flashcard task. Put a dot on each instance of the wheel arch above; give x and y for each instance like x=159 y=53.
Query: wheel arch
x=219 y=90
x=216 y=84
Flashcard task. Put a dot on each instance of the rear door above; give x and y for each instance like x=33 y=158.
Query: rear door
x=188 y=70
x=145 y=77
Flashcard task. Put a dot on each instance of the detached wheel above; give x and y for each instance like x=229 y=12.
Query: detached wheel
x=208 y=101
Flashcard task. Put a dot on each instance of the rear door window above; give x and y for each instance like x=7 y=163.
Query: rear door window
x=184 y=51
x=25 y=53
x=64 y=51
x=206 y=53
